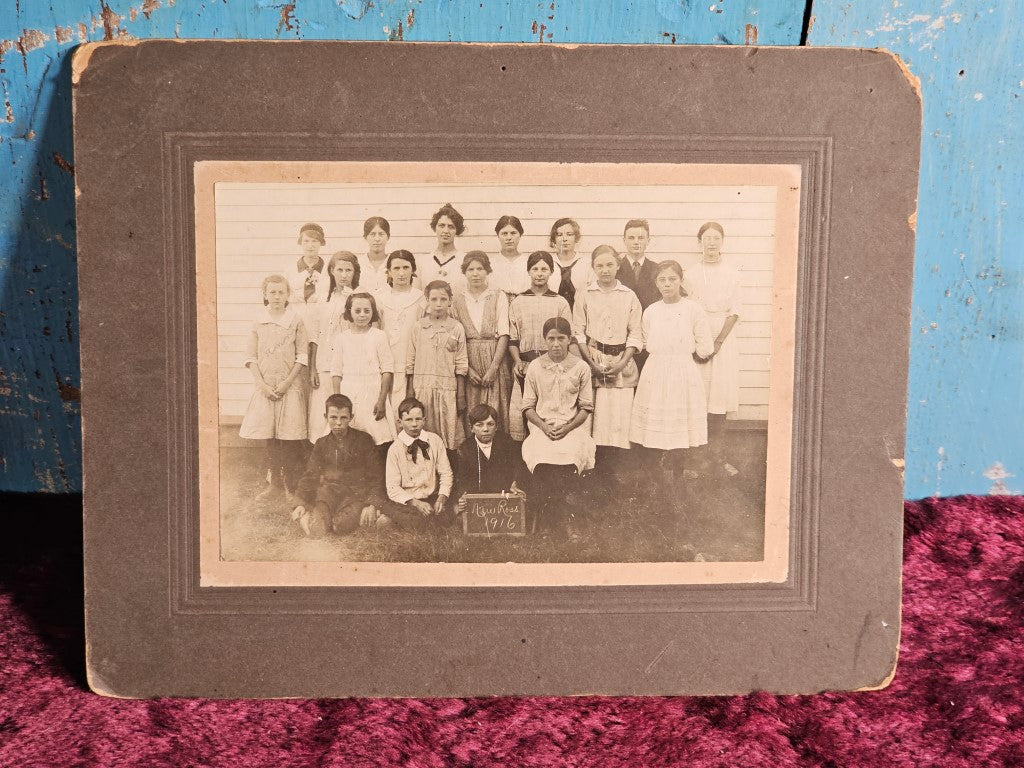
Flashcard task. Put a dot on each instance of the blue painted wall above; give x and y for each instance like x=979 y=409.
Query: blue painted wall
x=966 y=410
x=966 y=369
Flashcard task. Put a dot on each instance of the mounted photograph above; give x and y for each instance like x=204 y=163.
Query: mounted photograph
x=417 y=406
x=495 y=373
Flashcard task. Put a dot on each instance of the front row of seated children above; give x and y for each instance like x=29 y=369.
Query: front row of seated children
x=344 y=488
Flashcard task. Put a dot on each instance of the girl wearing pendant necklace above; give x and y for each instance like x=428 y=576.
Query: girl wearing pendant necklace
x=445 y=261
x=571 y=273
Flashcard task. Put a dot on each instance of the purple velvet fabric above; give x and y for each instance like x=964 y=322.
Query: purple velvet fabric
x=956 y=700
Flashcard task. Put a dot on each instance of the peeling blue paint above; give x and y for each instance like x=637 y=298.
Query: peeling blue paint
x=39 y=372
x=967 y=354
x=967 y=347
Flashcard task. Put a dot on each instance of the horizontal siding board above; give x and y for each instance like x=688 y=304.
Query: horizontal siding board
x=372 y=195
x=257 y=229
x=418 y=212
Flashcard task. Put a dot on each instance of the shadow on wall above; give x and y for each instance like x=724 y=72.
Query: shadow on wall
x=40 y=417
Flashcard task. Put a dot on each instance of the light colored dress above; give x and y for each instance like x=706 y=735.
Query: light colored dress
x=275 y=346
x=437 y=354
x=361 y=359
x=434 y=266
x=398 y=313
x=607 y=319
x=526 y=317
x=486 y=320
x=716 y=287
x=324 y=322
x=372 y=279
x=558 y=391
x=510 y=275
x=669 y=408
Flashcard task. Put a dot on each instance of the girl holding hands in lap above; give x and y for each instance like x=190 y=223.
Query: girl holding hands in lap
x=362 y=368
x=400 y=305
x=276 y=356
x=669 y=410
x=444 y=262
x=558 y=398
x=483 y=312
x=526 y=317
x=324 y=323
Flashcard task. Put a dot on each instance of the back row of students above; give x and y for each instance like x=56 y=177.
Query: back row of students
x=449 y=349
x=310 y=280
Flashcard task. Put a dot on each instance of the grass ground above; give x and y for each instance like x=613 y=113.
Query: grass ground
x=721 y=519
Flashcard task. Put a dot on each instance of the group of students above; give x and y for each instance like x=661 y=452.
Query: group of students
x=396 y=367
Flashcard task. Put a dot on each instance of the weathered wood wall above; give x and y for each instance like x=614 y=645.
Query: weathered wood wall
x=966 y=405
x=966 y=430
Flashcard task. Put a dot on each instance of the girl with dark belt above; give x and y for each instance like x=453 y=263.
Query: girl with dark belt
x=607 y=324
x=526 y=317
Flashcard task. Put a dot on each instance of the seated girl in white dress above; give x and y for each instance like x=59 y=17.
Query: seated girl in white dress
x=558 y=400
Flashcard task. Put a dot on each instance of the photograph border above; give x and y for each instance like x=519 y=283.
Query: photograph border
x=849 y=118
x=182 y=153
x=774 y=563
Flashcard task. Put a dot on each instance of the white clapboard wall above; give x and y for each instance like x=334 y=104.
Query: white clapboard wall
x=258 y=224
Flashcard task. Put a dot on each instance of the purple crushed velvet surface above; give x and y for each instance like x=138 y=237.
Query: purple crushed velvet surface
x=956 y=700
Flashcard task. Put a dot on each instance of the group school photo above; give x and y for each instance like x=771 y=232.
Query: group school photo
x=452 y=372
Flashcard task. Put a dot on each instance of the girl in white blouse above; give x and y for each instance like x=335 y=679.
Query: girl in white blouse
x=572 y=273
x=445 y=261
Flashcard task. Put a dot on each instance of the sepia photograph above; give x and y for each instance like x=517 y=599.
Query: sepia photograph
x=495 y=373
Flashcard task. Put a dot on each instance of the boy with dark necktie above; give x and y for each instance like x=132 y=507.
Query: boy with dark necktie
x=418 y=475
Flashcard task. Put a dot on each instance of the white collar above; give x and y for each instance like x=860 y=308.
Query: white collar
x=406 y=439
x=487 y=292
x=617 y=287
x=285 y=321
x=402 y=300
x=485 y=450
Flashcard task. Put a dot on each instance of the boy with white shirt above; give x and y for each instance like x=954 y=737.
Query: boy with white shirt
x=418 y=475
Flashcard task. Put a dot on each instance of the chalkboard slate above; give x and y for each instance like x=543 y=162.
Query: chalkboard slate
x=494 y=514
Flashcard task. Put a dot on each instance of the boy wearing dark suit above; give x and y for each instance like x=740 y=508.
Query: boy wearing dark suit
x=489 y=461
x=340 y=489
x=636 y=271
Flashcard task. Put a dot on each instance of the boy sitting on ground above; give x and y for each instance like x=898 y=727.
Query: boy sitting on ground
x=418 y=475
x=340 y=488
x=489 y=460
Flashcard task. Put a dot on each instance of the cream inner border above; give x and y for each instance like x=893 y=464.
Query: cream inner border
x=774 y=566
